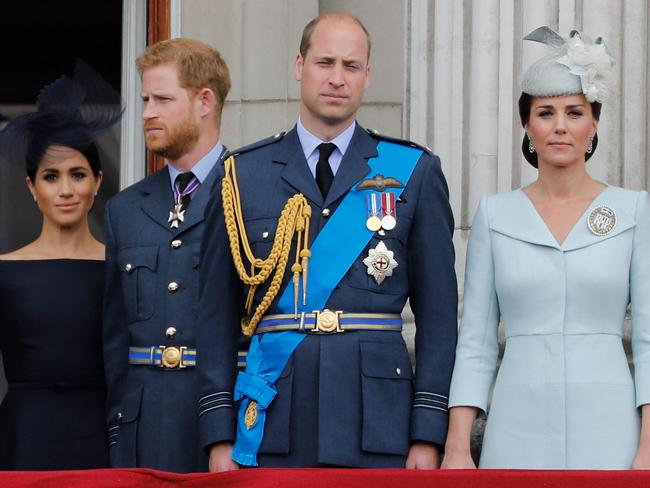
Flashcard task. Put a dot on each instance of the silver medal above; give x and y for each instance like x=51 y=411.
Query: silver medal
x=177 y=215
x=601 y=220
x=380 y=262
x=388 y=222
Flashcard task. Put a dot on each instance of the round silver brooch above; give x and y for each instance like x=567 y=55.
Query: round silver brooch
x=601 y=220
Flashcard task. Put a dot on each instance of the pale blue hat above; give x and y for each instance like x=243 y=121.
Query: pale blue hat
x=576 y=65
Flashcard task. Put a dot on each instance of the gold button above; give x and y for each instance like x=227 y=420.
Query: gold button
x=176 y=243
x=398 y=371
x=170 y=332
x=326 y=212
x=172 y=287
x=128 y=268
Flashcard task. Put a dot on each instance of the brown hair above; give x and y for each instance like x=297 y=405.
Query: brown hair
x=525 y=104
x=199 y=65
x=311 y=26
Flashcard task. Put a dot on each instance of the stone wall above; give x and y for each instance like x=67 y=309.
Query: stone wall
x=259 y=40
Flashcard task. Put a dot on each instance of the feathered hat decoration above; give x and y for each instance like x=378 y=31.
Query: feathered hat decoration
x=69 y=112
x=577 y=65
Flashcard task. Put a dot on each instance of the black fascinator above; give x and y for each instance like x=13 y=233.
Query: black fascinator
x=70 y=112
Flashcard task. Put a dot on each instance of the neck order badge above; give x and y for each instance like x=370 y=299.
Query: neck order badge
x=184 y=186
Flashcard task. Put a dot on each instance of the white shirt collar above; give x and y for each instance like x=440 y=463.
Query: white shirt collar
x=310 y=142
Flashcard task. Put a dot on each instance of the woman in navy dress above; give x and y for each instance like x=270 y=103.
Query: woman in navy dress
x=51 y=290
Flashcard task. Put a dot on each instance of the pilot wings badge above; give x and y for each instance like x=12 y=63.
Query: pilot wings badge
x=379 y=183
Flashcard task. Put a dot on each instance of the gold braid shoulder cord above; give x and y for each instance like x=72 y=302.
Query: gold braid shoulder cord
x=294 y=219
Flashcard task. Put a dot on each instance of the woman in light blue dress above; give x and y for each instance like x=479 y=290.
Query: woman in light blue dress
x=557 y=262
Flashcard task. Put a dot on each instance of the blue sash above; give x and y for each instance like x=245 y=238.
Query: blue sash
x=269 y=353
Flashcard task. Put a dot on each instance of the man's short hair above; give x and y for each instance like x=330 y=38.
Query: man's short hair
x=305 y=42
x=199 y=65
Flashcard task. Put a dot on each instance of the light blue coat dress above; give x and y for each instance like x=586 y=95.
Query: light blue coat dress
x=564 y=396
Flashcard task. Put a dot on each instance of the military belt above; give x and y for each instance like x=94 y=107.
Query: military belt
x=171 y=357
x=329 y=322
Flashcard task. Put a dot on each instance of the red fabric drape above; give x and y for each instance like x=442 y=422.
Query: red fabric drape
x=317 y=478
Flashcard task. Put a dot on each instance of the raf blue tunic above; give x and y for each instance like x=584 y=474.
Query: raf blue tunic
x=152 y=285
x=347 y=399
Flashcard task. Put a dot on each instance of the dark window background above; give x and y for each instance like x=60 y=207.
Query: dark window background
x=40 y=41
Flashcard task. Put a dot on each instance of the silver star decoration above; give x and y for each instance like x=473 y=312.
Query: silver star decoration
x=380 y=262
x=177 y=215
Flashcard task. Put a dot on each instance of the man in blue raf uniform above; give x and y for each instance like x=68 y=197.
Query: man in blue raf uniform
x=332 y=228
x=154 y=230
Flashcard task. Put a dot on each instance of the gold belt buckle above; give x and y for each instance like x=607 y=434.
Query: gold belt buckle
x=172 y=357
x=327 y=321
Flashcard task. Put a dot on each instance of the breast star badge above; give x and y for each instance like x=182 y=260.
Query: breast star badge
x=380 y=262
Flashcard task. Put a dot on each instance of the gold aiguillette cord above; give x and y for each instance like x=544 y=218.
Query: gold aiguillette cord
x=294 y=219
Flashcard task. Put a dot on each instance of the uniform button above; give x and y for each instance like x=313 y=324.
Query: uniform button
x=176 y=243
x=381 y=232
x=170 y=332
x=128 y=267
x=265 y=234
x=398 y=371
x=326 y=212
x=172 y=287
x=120 y=416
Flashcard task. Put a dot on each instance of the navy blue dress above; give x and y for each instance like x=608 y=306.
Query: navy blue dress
x=51 y=340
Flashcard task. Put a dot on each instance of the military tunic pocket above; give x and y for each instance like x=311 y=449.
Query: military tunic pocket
x=394 y=284
x=387 y=391
x=123 y=436
x=138 y=275
x=261 y=234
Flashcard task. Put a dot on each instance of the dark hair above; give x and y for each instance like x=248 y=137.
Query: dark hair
x=88 y=150
x=525 y=103
x=305 y=41
x=70 y=112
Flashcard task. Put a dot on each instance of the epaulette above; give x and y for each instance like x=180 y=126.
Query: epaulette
x=403 y=142
x=256 y=145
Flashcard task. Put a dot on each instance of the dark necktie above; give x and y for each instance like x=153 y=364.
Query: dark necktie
x=324 y=174
x=182 y=180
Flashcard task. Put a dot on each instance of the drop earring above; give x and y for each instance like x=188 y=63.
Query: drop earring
x=531 y=146
x=590 y=145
